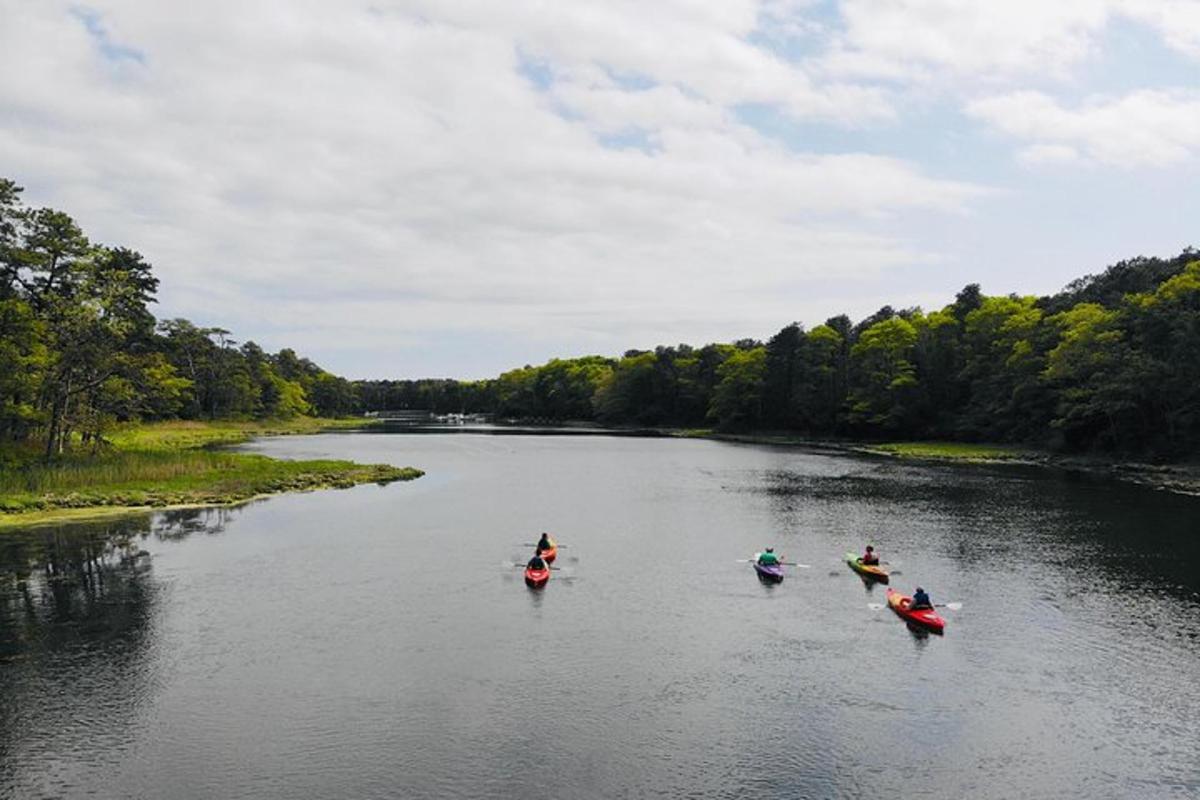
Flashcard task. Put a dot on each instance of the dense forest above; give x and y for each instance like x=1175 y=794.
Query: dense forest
x=1112 y=363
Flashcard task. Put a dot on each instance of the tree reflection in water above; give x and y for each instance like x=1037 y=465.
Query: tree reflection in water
x=78 y=605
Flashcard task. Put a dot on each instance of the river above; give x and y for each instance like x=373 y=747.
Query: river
x=373 y=643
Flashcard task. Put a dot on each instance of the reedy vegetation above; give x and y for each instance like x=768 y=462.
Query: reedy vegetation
x=1112 y=363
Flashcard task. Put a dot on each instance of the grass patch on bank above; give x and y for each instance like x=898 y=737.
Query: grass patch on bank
x=172 y=464
x=186 y=435
x=954 y=451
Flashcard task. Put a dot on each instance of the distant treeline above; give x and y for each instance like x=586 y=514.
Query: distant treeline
x=1111 y=363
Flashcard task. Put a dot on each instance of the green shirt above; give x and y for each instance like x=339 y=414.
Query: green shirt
x=767 y=559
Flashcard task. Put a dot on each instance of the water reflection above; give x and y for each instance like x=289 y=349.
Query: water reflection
x=372 y=642
x=994 y=514
x=78 y=608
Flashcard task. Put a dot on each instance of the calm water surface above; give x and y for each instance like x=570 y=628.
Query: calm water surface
x=371 y=642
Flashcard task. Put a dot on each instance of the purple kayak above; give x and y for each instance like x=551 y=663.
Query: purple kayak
x=769 y=573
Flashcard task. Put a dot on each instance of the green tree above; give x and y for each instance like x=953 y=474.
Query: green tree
x=737 y=400
x=884 y=389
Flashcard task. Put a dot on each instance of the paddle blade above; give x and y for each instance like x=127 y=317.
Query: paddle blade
x=876 y=606
x=954 y=606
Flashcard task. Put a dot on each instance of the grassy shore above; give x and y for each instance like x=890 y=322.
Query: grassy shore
x=938 y=451
x=949 y=451
x=171 y=465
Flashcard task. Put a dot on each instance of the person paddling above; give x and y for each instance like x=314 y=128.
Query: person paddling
x=869 y=558
x=767 y=558
x=543 y=543
x=536 y=563
x=920 y=600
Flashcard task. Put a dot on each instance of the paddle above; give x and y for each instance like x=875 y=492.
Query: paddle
x=952 y=606
x=535 y=544
x=551 y=567
x=784 y=563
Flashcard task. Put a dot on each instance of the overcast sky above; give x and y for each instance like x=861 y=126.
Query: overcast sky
x=456 y=187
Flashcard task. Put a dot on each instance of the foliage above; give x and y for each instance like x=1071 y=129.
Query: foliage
x=172 y=464
x=81 y=353
x=1110 y=363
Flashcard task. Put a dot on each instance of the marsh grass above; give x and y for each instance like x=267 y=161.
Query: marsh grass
x=184 y=435
x=965 y=451
x=171 y=464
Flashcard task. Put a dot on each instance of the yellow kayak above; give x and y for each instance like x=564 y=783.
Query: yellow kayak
x=871 y=571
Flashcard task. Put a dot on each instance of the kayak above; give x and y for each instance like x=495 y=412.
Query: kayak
x=871 y=571
x=536 y=578
x=551 y=553
x=925 y=618
x=768 y=573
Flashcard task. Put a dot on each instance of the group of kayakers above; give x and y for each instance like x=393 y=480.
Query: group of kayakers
x=920 y=598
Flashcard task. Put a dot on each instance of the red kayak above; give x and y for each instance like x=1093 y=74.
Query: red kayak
x=550 y=553
x=925 y=618
x=536 y=578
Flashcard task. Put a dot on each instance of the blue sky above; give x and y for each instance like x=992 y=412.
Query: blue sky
x=429 y=188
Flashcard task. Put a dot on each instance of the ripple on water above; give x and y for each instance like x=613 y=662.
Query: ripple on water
x=366 y=644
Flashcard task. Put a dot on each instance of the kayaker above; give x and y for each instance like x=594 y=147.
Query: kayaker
x=544 y=542
x=920 y=600
x=869 y=558
x=536 y=563
x=767 y=558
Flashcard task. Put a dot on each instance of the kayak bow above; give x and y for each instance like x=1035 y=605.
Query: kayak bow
x=536 y=578
x=925 y=618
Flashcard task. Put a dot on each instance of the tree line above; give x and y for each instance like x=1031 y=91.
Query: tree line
x=80 y=348
x=1111 y=363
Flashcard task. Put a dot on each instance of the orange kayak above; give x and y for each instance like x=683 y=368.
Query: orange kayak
x=536 y=578
x=925 y=618
x=550 y=554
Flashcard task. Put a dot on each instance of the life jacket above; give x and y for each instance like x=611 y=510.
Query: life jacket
x=871 y=559
x=767 y=559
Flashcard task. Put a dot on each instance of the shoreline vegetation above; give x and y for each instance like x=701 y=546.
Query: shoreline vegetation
x=1101 y=377
x=1179 y=478
x=167 y=465
x=181 y=464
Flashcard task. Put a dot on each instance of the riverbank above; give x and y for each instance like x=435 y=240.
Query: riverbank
x=1181 y=478
x=173 y=465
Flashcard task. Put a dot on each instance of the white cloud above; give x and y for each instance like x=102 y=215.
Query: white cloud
x=948 y=39
x=1177 y=21
x=1044 y=154
x=301 y=168
x=940 y=41
x=1140 y=129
